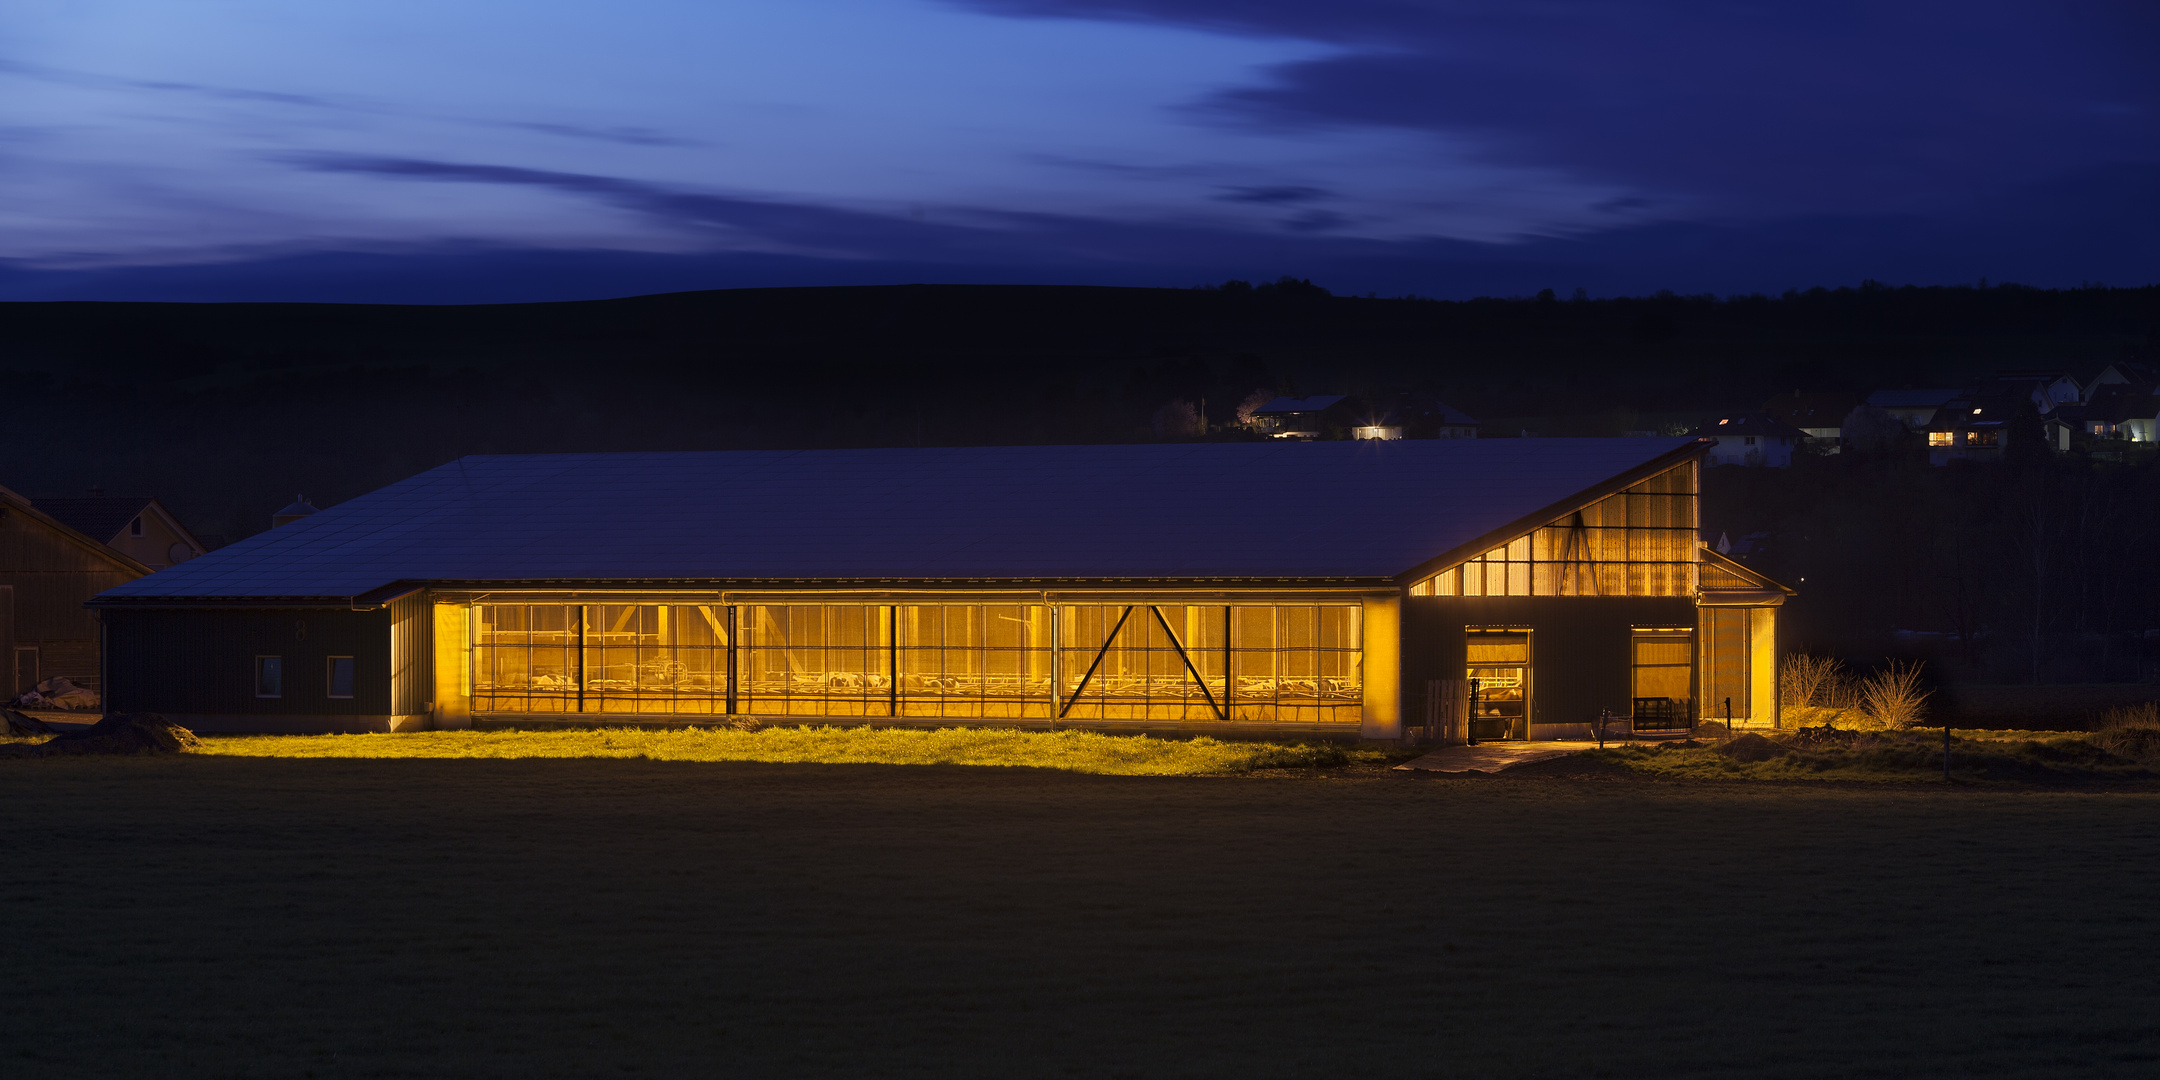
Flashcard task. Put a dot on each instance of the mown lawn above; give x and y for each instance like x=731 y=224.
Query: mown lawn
x=1074 y=751
x=217 y=915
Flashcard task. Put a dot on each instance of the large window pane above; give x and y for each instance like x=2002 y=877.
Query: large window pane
x=1638 y=542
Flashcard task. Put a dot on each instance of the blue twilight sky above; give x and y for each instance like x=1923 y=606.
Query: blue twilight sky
x=464 y=150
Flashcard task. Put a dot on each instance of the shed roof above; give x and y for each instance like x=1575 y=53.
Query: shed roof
x=1209 y=510
x=99 y=516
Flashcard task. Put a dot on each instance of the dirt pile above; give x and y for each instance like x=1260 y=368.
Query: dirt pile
x=20 y=724
x=1752 y=748
x=122 y=733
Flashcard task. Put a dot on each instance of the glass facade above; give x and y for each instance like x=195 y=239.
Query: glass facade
x=1663 y=671
x=626 y=658
x=1638 y=542
x=976 y=661
x=1283 y=663
x=1292 y=663
x=815 y=660
x=1727 y=652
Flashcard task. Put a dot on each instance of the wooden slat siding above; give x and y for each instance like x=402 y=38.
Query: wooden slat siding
x=1579 y=644
x=203 y=661
x=51 y=571
x=412 y=681
x=8 y=689
x=1447 y=711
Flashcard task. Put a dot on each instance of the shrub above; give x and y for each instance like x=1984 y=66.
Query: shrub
x=2130 y=732
x=1892 y=697
x=1806 y=681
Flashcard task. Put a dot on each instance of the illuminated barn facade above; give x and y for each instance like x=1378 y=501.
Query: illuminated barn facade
x=1501 y=588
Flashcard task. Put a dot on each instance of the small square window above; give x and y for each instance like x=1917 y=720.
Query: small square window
x=339 y=675
x=269 y=676
x=135 y=527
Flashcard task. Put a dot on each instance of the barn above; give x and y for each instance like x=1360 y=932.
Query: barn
x=1497 y=589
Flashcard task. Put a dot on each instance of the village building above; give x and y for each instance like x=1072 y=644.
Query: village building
x=48 y=570
x=136 y=526
x=1752 y=440
x=1915 y=409
x=1386 y=416
x=1495 y=588
x=1306 y=417
x=1971 y=429
x=2117 y=412
x=1820 y=417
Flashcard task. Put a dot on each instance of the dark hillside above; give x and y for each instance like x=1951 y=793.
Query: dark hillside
x=228 y=409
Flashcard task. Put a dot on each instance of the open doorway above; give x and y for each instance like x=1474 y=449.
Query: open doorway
x=1499 y=672
x=1662 y=678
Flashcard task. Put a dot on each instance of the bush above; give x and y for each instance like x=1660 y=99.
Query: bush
x=1806 y=681
x=1892 y=697
x=2130 y=732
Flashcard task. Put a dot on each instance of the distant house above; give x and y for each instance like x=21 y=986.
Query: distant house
x=1820 y=417
x=2048 y=387
x=1303 y=418
x=1442 y=421
x=1386 y=417
x=1915 y=409
x=2117 y=411
x=1407 y=415
x=1754 y=440
x=48 y=570
x=1971 y=429
x=2124 y=373
x=138 y=527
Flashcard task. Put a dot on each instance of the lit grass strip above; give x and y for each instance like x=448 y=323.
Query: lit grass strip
x=1073 y=751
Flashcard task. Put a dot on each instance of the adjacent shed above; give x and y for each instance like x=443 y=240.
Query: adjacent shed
x=48 y=570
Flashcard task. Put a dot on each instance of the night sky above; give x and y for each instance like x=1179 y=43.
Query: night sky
x=483 y=150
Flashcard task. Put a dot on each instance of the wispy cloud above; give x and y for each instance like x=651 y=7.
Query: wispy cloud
x=1273 y=194
x=625 y=135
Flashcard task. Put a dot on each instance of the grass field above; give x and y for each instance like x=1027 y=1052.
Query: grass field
x=280 y=917
x=1978 y=756
x=1076 y=751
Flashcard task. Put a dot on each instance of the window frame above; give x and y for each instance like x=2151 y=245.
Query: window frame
x=330 y=678
x=277 y=664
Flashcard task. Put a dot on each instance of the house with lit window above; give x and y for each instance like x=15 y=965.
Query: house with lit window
x=2116 y=413
x=1969 y=429
x=1502 y=588
x=1307 y=417
x=1753 y=440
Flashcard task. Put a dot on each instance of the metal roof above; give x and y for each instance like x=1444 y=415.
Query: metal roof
x=1196 y=510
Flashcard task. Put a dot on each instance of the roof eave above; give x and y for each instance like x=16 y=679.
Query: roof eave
x=379 y=597
x=81 y=539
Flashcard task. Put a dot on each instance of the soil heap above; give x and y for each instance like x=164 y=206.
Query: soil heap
x=120 y=733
